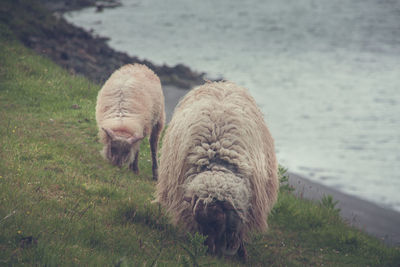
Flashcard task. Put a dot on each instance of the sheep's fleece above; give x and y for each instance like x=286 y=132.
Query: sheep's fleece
x=131 y=104
x=217 y=146
x=131 y=99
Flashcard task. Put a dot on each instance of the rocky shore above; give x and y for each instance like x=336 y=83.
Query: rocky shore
x=43 y=29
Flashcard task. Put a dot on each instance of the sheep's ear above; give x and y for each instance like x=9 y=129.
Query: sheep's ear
x=109 y=133
x=187 y=199
x=134 y=139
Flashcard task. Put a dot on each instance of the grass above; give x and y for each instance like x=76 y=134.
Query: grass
x=62 y=204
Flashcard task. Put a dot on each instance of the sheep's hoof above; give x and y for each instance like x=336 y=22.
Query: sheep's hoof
x=136 y=171
x=134 y=168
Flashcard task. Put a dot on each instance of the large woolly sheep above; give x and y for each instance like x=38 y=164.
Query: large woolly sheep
x=218 y=169
x=129 y=107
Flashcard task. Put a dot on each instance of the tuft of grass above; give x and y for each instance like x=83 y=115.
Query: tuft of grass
x=62 y=204
x=328 y=202
x=284 y=180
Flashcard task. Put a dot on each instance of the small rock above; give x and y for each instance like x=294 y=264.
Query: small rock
x=27 y=241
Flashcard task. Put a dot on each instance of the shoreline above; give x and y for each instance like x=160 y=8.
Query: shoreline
x=80 y=52
x=367 y=216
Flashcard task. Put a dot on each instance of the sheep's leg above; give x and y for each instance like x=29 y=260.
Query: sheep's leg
x=242 y=252
x=134 y=166
x=155 y=134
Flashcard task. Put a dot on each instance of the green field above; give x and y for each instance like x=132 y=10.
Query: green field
x=62 y=204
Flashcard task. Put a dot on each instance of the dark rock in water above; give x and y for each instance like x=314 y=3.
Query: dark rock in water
x=69 y=5
x=100 y=5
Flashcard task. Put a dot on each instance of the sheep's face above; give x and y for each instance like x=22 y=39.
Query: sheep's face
x=222 y=225
x=119 y=151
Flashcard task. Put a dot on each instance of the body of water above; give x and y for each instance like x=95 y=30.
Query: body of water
x=326 y=74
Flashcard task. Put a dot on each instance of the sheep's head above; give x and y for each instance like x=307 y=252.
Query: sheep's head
x=219 y=200
x=118 y=149
x=221 y=224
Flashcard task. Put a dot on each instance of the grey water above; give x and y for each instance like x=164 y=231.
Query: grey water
x=325 y=73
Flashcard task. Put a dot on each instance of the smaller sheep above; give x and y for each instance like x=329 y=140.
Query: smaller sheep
x=130 y=106
x=218 y=169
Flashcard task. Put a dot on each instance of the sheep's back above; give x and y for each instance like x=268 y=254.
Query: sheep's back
x=213 y=123
x=131 y=96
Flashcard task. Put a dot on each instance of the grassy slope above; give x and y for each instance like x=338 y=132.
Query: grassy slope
x=62 y=204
